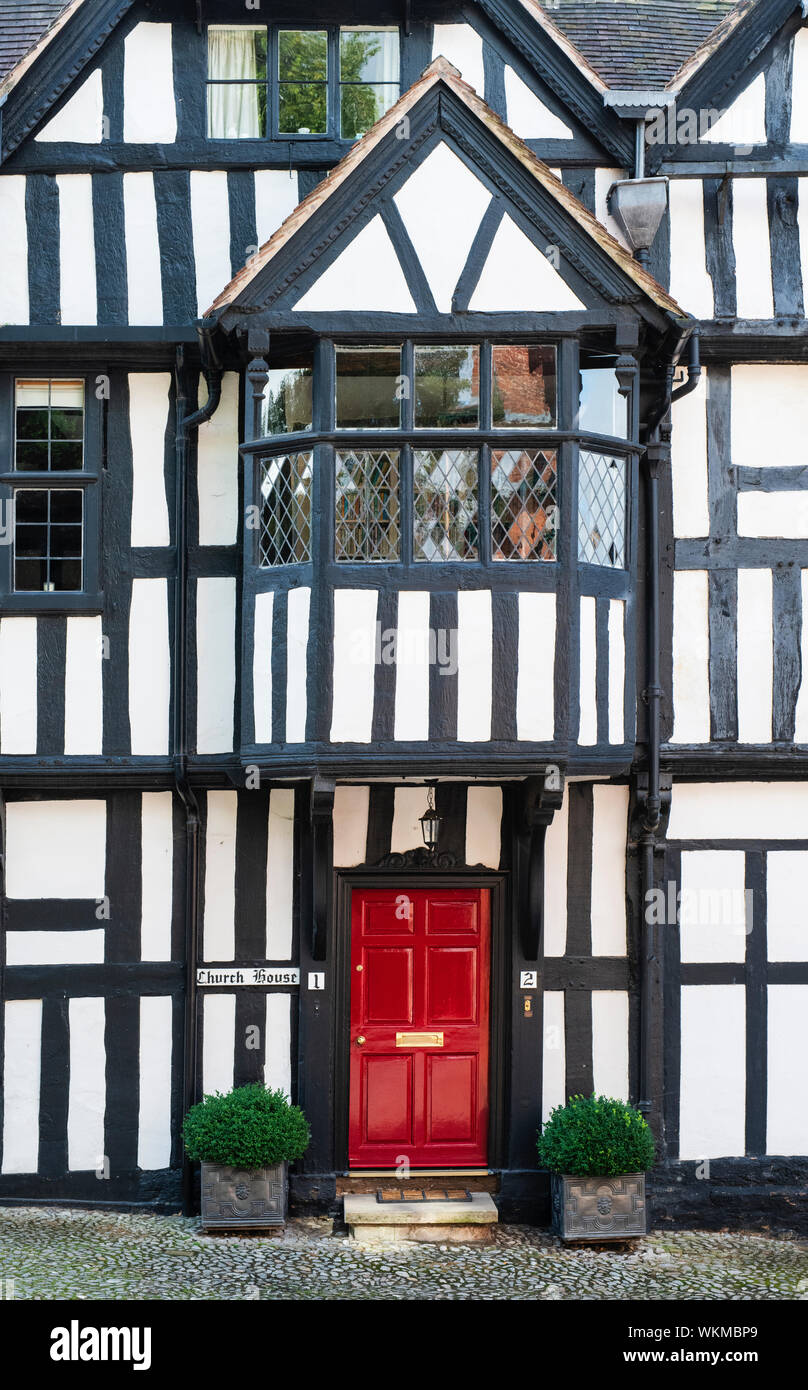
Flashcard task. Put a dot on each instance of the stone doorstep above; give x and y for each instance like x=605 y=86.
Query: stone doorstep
x=385 y=1223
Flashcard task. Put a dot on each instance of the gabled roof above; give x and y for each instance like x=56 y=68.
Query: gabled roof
x=441 y=72
x=639 y=43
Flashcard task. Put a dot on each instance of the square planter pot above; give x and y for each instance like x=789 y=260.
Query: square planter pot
x=234 y=1199
x=599 y=1208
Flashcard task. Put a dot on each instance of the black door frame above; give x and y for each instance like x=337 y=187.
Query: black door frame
x=499 y=1019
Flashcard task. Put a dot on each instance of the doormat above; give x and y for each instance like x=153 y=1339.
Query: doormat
x=422 y=1194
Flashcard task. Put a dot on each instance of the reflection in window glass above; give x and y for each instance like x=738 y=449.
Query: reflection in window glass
x=602 y=409
x=49 y=425
x=367 y=505
x=368 y=388
x=445 y=522
x=302 y=81
x=48 y=529
x=601 y=510
x=237 y=82
x=369 y=77
x=524 y=385
x=447 y=387
x=285 y=531
x=286 y=405
x=524 y=512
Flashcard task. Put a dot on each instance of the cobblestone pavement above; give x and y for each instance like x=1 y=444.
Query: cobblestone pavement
x=52 y=1253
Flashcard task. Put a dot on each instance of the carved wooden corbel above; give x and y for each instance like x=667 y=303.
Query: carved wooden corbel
x=541 y=797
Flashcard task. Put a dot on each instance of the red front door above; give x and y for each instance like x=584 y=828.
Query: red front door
x=419 y=1027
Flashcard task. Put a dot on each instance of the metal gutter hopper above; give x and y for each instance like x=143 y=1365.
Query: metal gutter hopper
x=637 y=102
x=638 y=206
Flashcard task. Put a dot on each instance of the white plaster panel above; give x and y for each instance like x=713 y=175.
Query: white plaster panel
x=351 y=810
x=691 y=509
x=77 y=288
x=280 y=873
x=691 y=283
x=769 y=414
x=365 y=277
x=14 y=307
x=518 y=278
x=354 y=665
x=412 y=652
x=143 y=274
x=149 y=110
x=739 y=811
x=80 y=121
x=75 y=833
x=149 y=394
x=149 y=667
x=786 y=898
x=588 y=721
x=218 y=1042
x=484 y=826
x=528 y=117
x=755 y=656
x=691 y=658
x=22 y=1060
x=220 y=876
x=786 y=1089
x=753 y=259
x=84 y=686
x=278 y=1064
x=712 y=911
x=18 y=685
x=216 y=664
x=87 y=1093
x=610 y=1043
x=463 y=47
x=475 y=654
x=157 y=874
x=55 y=947
x=609 y=831
x=555 y=880
x=218 y=467
x=154 y=1118
x=554 y=1059
x=535 y=682
x=297 y=647
x=262 y=667
x=712 y=1107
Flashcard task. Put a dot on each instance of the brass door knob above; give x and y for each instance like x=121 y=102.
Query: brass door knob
x=359 y=1040
x=359 y=968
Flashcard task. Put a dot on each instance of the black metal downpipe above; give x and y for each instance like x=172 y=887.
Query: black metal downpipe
x=651 y=962
x=184 y=425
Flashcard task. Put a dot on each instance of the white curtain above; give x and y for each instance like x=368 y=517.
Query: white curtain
x=232 y=111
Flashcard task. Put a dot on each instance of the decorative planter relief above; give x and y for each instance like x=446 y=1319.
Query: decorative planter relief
x=233 y=1198
x=599 y=1208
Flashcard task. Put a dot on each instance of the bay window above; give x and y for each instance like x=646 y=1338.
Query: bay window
x=427 y=454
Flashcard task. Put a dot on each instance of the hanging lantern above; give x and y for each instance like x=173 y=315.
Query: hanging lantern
x=430 y=822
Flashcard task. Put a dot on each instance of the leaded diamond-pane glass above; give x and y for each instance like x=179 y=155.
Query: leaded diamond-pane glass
x=602 y=510
x=524 y=511
x=445 y=504
x=285 y=534
x=367 y=504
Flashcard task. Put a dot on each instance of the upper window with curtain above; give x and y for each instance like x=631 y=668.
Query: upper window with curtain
x=275 y=81
x=237 y=82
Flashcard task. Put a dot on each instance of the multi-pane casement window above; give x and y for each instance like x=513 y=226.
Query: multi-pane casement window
x=49 y=443
x=442 y=453
x=282 y=82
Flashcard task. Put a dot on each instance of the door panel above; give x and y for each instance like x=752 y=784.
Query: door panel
x=420 y=972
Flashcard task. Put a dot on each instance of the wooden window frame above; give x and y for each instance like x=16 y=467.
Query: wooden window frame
x=89 y=599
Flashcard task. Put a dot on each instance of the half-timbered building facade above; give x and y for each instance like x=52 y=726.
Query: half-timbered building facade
x=402 y=581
